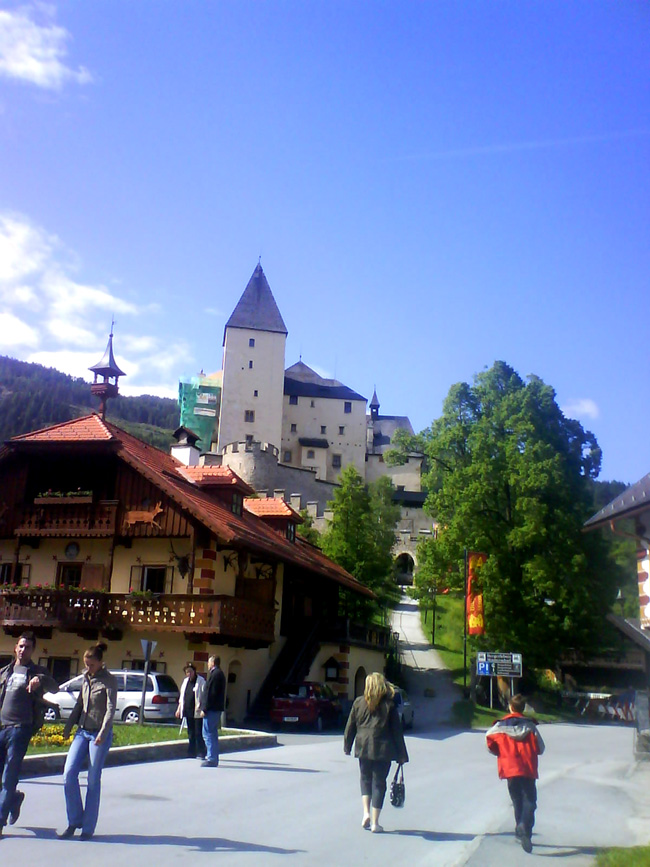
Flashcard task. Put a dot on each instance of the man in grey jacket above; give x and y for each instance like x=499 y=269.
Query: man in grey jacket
x=22 y=684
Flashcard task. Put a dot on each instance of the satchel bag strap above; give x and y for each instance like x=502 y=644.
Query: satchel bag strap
x=399 y=774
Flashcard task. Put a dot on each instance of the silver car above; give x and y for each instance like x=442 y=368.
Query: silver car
x=161 y=698
x=404 y=708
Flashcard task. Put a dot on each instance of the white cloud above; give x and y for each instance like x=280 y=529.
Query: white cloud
x=50 y=317
x=15 y=332
x=214 y=311
x=582 y=407
x=37 y=52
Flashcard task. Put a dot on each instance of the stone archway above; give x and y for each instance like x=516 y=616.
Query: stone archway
x=404 y=569
x=359 y=681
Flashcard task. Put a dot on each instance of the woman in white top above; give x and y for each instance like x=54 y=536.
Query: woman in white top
x=189 y=707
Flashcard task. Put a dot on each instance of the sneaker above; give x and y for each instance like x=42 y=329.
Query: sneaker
x=86 y=835
x=526 y=843
x=209 y=764
x=377 y=829
x=69 y=832
x=14 y=813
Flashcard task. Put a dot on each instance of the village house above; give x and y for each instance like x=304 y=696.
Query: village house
x=102 y=535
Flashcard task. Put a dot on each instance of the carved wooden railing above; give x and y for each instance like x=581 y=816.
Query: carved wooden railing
x=228 y=616
x=55 y=608
x=64 y=518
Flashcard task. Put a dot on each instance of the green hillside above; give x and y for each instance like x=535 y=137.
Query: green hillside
x=33 y=397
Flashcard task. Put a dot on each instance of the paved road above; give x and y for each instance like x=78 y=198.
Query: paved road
x=299 y=804
x=430 y=687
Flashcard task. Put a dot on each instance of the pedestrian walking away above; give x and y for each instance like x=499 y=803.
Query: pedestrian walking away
x=93 y=715
x=189 y=708
x=22 y=684
x=517 y=743
x=375 y=729
x=213 y=705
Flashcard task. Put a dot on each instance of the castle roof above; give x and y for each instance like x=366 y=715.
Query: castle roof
x=302 y=381
x=107 y=366
x=256 y=310
x=384 y=428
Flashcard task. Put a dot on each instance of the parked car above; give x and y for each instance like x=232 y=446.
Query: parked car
x=311 y=704
x=161 y=698
x=404 y=708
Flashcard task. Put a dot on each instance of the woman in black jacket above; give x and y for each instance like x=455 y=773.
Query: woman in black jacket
x=375 y=725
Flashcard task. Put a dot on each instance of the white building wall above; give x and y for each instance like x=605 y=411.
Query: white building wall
x=310 y=415
x=246 y=370
x=406 y=476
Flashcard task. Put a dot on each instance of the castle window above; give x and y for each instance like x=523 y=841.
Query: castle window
x=336 y=461
x=311 y=403
x=294 y=428
x=291 y=532
x=251 y=341
x=347 y=406
x=310 y=454
x=323 y=429
x=287 y=457
x=341 y=430
x=249 y=415
x=255 y=393
x=293 y=399
x=250 y=364
x=249 y=442
x=237 y=502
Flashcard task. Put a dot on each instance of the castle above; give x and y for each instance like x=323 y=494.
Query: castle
x=290 y=432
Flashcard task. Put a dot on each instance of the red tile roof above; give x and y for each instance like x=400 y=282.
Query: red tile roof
x=271 y=507
x=88 y=428
x=214 y=477
x=162 y=470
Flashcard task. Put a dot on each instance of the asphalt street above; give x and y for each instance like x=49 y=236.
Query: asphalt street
x=299 y=804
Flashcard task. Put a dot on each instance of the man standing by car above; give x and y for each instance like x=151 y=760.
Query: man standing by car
x=22 y=684
x=213 y=707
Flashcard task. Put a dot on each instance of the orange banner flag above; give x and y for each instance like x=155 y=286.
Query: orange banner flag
x=475 y=620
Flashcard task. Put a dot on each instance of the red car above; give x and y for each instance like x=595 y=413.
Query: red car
x=312 y=704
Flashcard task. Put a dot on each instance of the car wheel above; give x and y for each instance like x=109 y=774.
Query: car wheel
x=52 y=714
x=131 y=715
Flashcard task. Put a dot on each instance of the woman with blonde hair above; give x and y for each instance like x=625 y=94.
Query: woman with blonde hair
x=374 y=727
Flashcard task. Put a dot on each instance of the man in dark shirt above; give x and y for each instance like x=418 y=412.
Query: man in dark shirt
x=22 y=683
x=213 y=706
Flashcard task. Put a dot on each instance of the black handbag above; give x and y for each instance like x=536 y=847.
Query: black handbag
x=397 y=788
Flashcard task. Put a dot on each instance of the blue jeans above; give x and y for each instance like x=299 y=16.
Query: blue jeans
x=523 y=794
x=211 y=734
x=14 y=741
x=84 y=747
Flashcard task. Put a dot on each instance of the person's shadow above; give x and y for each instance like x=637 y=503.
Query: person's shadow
x=193 y=844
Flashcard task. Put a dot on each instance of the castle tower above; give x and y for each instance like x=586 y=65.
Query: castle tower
x=253 y=368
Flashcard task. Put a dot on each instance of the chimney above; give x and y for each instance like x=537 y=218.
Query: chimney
x=185 y=449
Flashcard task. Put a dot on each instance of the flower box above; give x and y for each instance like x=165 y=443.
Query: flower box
x=56 y=501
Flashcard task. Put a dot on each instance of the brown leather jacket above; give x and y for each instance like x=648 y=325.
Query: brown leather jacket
x=376 y=735
x=95 y=707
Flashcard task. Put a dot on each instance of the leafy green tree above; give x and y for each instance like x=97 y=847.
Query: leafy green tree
x=360 y=537
x=509 y=475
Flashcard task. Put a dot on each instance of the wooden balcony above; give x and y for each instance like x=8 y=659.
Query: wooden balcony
x=67 y=518
x=235 y=621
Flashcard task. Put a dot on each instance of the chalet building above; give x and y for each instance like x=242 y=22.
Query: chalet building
x=103 y=536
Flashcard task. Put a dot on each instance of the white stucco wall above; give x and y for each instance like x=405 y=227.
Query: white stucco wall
x=240 y=382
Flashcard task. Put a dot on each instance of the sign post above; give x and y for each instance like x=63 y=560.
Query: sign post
x=148 y=648
x=493 y=665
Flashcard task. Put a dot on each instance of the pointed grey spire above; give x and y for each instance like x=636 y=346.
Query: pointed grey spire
x=256 y=309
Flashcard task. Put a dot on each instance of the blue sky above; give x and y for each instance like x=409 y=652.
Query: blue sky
x=431 y=186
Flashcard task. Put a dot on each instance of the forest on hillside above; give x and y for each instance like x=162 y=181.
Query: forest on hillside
x=33 y=397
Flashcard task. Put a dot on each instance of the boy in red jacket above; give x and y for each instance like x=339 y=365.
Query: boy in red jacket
x=517 y=743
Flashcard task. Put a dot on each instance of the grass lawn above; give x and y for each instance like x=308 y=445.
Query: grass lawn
x=637 y=856
x=50 y=738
